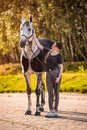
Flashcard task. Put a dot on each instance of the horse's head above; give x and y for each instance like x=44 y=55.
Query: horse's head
x=26 y=31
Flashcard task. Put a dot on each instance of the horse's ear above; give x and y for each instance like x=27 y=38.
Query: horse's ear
x=30 y=18
x=23 y=20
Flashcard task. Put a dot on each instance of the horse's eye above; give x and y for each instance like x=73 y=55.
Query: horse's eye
x=29 y=29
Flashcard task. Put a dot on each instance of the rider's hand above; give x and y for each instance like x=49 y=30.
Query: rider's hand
x=57 y=79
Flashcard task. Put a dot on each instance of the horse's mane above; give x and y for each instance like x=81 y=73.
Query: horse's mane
x=46 y=42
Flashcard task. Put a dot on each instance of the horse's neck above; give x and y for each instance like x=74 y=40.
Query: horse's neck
x=34 y=46
x=35 y=49
x=32 y=52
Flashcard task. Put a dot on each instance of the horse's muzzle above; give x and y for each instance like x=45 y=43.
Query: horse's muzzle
x=22 y=43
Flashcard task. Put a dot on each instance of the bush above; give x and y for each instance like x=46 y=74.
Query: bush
x=10 y=68
x=75 y=66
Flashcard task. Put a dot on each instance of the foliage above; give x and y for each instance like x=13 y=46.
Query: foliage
x=71 y=82
x=61 y=20
x=74 y=82
x=75 y=66
x=16 y=83
x=74 y=78
x=11 y=83
x=10 y=68
x=6 y=69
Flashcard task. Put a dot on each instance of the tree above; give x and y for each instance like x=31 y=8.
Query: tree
x=61 y=20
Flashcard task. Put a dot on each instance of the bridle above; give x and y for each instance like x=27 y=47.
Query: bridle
x=27 y=39
x=28 y=42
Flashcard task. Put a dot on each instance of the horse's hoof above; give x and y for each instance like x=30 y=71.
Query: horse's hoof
x=37 y=113
x=41 y=109
x=28 y=112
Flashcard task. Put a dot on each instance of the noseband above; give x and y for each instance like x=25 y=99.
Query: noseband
x=27 y=39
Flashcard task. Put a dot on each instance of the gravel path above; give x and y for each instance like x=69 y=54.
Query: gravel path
x=72 y=113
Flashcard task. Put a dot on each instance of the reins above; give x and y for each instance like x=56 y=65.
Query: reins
x=44 y=65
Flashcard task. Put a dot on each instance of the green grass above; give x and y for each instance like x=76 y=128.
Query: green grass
x=12 y=83
x=74 y=82
x=11 y=79
x=71 y=82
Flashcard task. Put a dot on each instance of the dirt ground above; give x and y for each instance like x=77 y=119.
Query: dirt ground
x=72 y=113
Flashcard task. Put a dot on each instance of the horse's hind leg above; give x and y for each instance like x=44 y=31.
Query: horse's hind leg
x=39 y=83
x=42 y=90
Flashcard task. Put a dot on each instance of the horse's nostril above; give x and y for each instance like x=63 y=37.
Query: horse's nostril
x=22 y=43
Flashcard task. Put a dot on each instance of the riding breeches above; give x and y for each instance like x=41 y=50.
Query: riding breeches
x=53 y=89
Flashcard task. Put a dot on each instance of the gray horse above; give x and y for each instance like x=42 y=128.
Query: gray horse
x=32 y=61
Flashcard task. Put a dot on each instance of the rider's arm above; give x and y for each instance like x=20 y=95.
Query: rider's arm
x=37 y=42
x=60 y=72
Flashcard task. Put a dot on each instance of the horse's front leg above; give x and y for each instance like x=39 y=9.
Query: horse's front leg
x=28 y=89
x=39 y=83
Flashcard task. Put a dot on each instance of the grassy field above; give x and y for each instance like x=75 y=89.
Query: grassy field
x=74 y=78
x=71 y=82
x=74 y=82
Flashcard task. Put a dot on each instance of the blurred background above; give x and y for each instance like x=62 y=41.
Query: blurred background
x=57 y=20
